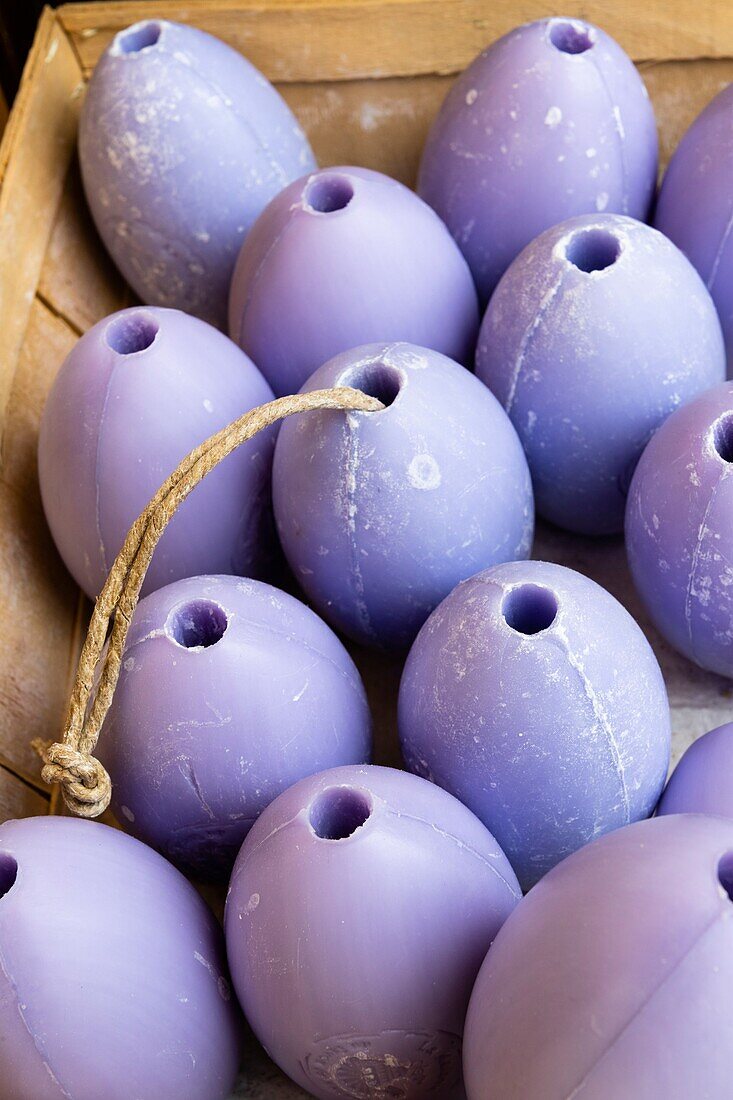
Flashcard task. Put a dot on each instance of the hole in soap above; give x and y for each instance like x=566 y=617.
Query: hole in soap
x=139 y=37
x=338 y=812
x=8 y=873
x=571 y=37
x=529 y=608
x=723 y=437
x=198 y=624
x=326 y=194
x=725 y=874
x=380 y=380
x=593 y=250
x=131 y=332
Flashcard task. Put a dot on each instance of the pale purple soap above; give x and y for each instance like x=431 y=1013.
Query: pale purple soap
x=702 y=782
x=229 y=692
x=532 y=695
x=359 y=911
x=182 y=142
x=596 y=333
x=551 y=121
x=381 y=514
x=139 y=391
x=112 y=972
x=344 y=257
x=614 y=977
x=694 y=207
x=679 y=530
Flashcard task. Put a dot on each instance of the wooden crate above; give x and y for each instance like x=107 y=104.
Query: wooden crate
x=365 y=77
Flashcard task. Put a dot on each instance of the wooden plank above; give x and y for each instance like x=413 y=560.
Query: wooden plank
x=38 y=599
x=78 y=279
x=35 y=152
x=317 y=40
x=679 y=90
x=381 y=123
x=17 y=799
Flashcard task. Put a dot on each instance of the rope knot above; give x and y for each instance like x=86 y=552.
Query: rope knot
x=86 y=785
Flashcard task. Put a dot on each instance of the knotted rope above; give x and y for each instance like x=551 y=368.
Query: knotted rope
x=85 y=783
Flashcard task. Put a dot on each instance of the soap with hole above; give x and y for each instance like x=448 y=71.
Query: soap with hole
x=549 y=122
x=342 y=257
x=694 y=207
x=359 y=911
x=533 y=696
x=113 y=976
x=679 y=530
x=135 y=395
x=613 y=977
x=381 y=514
x=597 y=332
x=182 y=143
x=230 y=691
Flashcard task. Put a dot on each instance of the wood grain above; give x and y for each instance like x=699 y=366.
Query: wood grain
x=36 y=148
x=38 y=599
x=314 y=40
x=17 y=799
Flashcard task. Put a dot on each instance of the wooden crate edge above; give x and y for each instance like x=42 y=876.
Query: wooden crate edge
x=361 y=39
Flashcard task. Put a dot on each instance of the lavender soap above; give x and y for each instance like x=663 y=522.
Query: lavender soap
x=551 y=121
x=381 y=514
x=679 y=530
x=139 y=391
x=702 y=782
x=344 y=257
x=597 y=332
x=532 y=695
x=358 y=914
x=182 y=143
x=614 y=977
x=112 y=972
x=694 y=203
x=229 y=692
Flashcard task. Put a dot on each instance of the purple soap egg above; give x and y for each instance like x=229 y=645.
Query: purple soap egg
x=112 y=972
x=381 y=514
x=679 y=530
x=613 y=977
x=597 y=332
x=139 y=391
x=551 y=121
x=343 y=257
x=694 y=206
x=360 y=909
x=702 y=782
x=182 y=143
x=532 y=695
x=229 y=692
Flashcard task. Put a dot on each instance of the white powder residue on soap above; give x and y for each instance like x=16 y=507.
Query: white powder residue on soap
x=471 y=97
x=553 y=117
x=424 y=472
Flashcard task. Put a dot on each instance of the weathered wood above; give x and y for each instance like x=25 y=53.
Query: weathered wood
x=317 y=40
x=38 y=599
x=17 y=799
x=36 y=148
